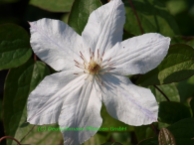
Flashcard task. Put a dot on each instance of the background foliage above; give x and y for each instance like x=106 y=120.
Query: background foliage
x=172 y=82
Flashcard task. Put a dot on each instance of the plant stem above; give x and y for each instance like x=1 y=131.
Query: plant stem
x=136 y=15
x=35 y=57
x=162 y=93
x=155 y=129
x=9 y=137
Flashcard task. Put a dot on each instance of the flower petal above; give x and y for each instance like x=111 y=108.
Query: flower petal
x=129 y=103
x=105 y=26
x=81 y=110
x=138 y=55
x=46 y=101
x=55 y=43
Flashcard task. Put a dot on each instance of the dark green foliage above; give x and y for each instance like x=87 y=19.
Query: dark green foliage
x=173 y=77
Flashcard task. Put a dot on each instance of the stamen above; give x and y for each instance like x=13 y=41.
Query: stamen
x=82 y=57
x=103 y=53
x=98 y=53
x=93 y=54
x=90 y=51
x=109 y=59
x=76 y=62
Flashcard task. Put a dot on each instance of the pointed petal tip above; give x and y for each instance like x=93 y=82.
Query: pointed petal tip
x=30 y=23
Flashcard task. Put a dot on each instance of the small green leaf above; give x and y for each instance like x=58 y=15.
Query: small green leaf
x=165 y=137
x=153 y=15
x=53 y=5
x=14 y=46
x=80 y=12
x=171 y=112
x=183 y=131
x=19 y=83
x=177 y=65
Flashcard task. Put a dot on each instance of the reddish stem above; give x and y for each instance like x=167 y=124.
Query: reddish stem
x=136 y=15
x=9 y=137
x=35 y=57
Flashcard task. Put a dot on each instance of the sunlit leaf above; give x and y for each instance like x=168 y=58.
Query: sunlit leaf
x=14 y=46
x=53 y=5
x=176 y=7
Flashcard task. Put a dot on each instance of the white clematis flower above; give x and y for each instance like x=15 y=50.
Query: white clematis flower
x=92 y=69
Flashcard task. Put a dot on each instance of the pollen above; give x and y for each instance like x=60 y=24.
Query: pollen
x=93 y=67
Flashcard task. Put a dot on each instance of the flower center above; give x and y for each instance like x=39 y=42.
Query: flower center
x=93 y=67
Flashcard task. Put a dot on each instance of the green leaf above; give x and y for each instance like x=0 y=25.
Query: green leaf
x=153 y=15
x=177 y=65
x=121 y=137
x=14 y=46
x=65 y=17
x=53 y=5
x=19 y=83
x=192 y=105
x=171 y=112
x=80 y=12
x=165 y=137
x=168 y=89
x=186 y=89
x=183 y=131
x=149 y=141
x=176 y=7
x=8 y=1
x=98 y=138
x=191 y=43
x=45 y=137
